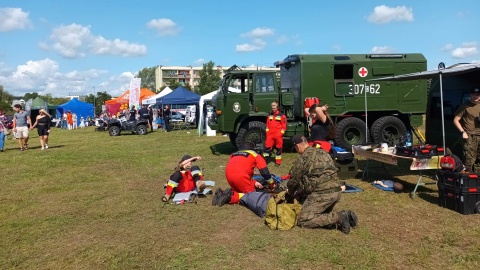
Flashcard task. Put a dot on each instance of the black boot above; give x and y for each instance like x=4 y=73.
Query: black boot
x=343 y=222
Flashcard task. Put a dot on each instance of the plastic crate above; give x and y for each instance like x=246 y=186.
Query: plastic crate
x=462 y=202
x=347 y=169
x=467 y=182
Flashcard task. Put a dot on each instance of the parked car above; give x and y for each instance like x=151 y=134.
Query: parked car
x=177 y=116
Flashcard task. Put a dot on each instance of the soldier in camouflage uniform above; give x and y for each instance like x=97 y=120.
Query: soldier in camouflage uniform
x=467 y=121
x=314 y=182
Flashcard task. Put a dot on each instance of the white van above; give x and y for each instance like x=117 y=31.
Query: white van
x=190 y=114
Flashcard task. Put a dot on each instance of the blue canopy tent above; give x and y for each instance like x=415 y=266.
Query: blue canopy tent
x=82 y=109
x=179 y=96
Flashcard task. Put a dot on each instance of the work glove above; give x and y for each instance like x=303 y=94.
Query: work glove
x=285 y=177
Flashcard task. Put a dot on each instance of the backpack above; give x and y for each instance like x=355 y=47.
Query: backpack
x=340 y=154
x=281 y=215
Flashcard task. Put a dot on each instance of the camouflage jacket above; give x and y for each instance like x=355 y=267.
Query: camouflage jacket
x=322 y=176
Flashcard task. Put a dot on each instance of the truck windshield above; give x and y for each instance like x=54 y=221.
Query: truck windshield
x=235 y=84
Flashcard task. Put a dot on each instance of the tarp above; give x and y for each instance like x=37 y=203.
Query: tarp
x=440 y=73
x=179 y=96
x=153 y=99
x=38 y=103
x=82 y=109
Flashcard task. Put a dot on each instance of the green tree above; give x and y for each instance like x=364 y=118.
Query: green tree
x=148 y=78
x=6 y=100
x=28 y=96
x=209 y=78
x=173 y=84
x=100 y=100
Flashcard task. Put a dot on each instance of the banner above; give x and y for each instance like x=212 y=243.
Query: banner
x=134 y=99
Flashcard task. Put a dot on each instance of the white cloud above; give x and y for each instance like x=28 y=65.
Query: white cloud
x=199 y=62
x=467 y=49
x=282 y=39
x=448 y=47
x=256 y=45
x=259 y=32
x=336 y=47
x=164 y=27
x=382 y=49
x=74 y=41
x=384 y=14
x=13 y=19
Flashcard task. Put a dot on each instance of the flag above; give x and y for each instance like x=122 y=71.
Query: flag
x=134 y=99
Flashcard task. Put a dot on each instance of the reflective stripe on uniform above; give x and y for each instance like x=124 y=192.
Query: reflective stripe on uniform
x=197 y=172
x=173 y=184
x=278 y=157
x=253 y=153
x=278 y=118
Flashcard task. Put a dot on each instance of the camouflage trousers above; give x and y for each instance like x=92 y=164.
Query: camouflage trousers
x=317 y=210
x=471 y=148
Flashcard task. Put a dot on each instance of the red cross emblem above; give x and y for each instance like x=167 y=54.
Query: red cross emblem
x=363 y=72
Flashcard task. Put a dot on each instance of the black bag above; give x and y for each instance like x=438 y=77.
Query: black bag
x=340 y=154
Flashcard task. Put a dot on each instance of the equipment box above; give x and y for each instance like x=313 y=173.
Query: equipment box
x=347 y=169
x=462 y=202
x=467 y=182
x=419 y=151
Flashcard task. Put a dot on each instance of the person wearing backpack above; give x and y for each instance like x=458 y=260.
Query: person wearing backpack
x=315 y=184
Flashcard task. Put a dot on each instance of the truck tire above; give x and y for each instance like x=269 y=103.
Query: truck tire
x=253 y=131
x=232 y=136
x=141 y=129
x=350 y=131
x=388 y=129
x=114 y=131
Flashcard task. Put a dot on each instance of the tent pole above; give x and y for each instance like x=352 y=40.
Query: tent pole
x=443 y=116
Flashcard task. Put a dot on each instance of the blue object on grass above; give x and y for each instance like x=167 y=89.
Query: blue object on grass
x=382 y=187
x=352 y=188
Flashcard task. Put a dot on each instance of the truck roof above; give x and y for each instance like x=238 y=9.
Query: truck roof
x=346 y=58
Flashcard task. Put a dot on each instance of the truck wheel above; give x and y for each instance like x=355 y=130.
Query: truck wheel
x=388 y=129
x=141 y=129
x=350 y=131
x=114 y=131
x=232 y=136
x=251 y=132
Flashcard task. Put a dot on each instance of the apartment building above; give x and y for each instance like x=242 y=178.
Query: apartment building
x=188 y=74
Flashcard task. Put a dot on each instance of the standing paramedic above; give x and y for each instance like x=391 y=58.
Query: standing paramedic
x=21 y=119
x=239 y=172
x=322 y=123
x=315 y=184
x=467 y=121
x=276 y=127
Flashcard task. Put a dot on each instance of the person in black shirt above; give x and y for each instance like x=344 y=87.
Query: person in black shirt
x=322 y=123
x=133 y=113
x=150 y=117
x=166 y=118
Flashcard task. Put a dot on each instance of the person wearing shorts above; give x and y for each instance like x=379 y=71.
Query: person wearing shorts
x=21 y=120
x=43 y=124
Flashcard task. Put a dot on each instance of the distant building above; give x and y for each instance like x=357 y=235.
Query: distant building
x=18 y=101
x=72 y=97
x=188 y=74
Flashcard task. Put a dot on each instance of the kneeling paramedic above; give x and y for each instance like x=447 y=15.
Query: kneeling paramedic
x=315 y=184
x=239 y=173
x=185 y=178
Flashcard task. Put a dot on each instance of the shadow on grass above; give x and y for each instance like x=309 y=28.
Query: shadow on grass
x=224 y=148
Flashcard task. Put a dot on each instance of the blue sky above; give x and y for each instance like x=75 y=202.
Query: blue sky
x=71 y=47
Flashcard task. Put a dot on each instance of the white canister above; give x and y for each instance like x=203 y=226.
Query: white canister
x=384 y=147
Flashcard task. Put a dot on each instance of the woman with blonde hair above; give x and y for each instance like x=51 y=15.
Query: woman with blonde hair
x=43 y=124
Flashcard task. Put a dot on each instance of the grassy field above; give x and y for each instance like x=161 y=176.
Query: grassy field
x=93 y=201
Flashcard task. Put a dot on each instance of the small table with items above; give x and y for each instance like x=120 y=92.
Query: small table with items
x=389 y=156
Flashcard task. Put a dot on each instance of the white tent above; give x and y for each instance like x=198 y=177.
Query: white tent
x=153 y=99
x=201 y=103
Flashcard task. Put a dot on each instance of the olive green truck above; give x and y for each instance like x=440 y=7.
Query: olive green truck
x=388 y=109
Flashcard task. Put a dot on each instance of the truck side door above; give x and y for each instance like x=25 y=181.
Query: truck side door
x=264 y=91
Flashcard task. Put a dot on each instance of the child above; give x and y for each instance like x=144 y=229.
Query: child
x=82 y=122
x=397 y=187
x=185 y=178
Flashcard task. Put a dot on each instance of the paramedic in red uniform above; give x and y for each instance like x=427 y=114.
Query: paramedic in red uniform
x=322 y=123
x=276 y=127
x=239 y=172
x=185 y=178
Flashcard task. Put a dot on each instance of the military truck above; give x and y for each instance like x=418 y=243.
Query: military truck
x=341 y=81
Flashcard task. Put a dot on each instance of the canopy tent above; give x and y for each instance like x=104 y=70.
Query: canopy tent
x=153 y=99
x=179 y=96
x=431 y=74
x=113 y=105
x=80 y=108
x=202 y=103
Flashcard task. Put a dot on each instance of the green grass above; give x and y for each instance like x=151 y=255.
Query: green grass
x=93 y=201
